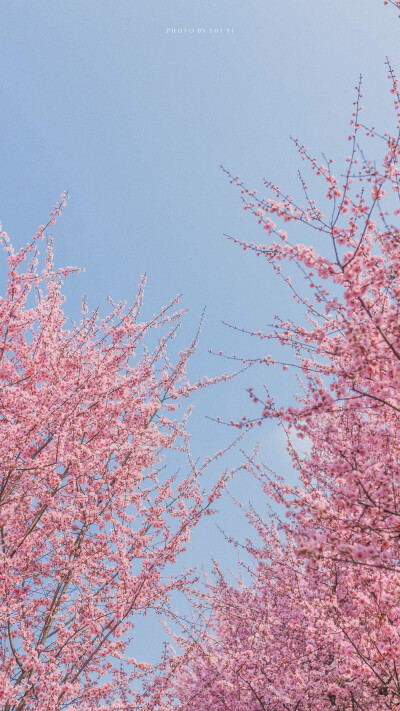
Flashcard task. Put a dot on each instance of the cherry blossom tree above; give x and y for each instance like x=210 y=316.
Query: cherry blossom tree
x=91 y=513
x=314 y=624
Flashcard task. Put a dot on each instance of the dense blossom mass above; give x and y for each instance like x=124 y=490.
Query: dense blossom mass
x=89 y=515
x=315 y=623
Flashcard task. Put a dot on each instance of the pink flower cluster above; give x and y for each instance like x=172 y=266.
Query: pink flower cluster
x=314 y=625
x=90 y=518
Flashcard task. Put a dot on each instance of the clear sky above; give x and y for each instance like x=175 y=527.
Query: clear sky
x=108 y=99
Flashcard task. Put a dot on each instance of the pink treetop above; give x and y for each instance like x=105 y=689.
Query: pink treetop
x=89 y=520
x=318 y=626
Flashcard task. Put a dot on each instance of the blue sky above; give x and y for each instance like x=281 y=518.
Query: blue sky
x=102 y=98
